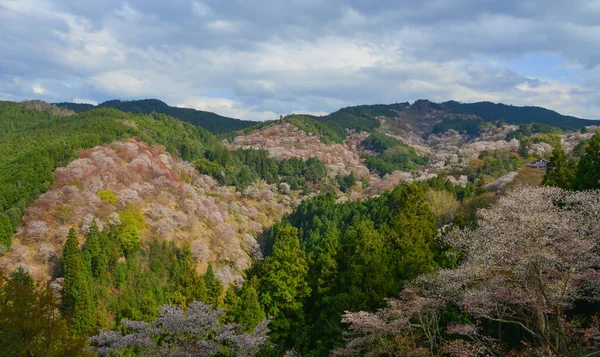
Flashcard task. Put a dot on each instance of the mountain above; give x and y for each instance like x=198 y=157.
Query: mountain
x=210 y=121
x=422 y=116
x=298 y=219
x=519 y=115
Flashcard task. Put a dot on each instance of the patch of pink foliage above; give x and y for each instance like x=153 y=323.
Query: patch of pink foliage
x=177 y=202
x=285 y=140
x=532 y=256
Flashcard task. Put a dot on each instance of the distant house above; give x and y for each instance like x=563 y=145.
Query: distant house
x=540 y=164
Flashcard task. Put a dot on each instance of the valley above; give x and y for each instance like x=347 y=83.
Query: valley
x=302 y=220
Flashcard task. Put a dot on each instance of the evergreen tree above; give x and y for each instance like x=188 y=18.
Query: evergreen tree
x=188 y=284
x=523 y=148
x=560 y=170
x=249 y=312
x=30 y=325
x=214 y=288
x=283 y=286
x=414 y=229
x=588 y=168
x=365 y=271
x=6 y=232
x=230 y=302
x=92 y=251
x=77 y=299
x=480 y=187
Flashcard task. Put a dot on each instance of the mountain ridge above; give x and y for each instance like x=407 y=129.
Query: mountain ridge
x=359 y=117
x=212 y=122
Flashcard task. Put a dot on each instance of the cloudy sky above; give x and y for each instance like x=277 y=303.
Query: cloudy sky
x=256 y=59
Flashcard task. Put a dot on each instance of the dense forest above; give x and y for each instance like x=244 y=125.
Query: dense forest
x=34 y=143
x=428 y=268
x=210 y=121
x=519 y=115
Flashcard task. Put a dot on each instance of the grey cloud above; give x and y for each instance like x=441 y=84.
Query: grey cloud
x=285 y=56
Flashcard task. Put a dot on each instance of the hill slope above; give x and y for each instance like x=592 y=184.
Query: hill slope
x=519 y=115
x=113 y=183
x=210 y=121
x=422 y=116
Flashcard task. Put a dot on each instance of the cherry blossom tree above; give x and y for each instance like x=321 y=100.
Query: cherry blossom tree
x=531 y=258
x=196 y=331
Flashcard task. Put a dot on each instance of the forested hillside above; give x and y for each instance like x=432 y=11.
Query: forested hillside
x=34 y=143
x=377 y=230
x=519 y=115
x=210 y=121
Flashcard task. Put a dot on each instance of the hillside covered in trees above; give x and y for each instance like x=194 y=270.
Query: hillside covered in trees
x=210 y=121
x=408 y=229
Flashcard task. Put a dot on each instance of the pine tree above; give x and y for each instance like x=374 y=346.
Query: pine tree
x=414 y=231
x=480 y=187
x=588 y=168
x=230 y=303
x=6 y=231
x=523 y=149
x=92 y=251
x=560 y=171
x=188 y=284
x=366 y=272
x=249 y=312
x=77 y=298
x=29 y=322
x=214 y=288
x=283 y=285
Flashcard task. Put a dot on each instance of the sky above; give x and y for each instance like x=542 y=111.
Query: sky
x=257 y=59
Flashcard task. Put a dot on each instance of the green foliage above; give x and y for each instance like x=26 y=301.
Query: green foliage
x=552 y=139
x=91 y=253
x=129 y=238
x=283 y=285
x=210 y=121
x=187 y=285
x=34 y=143
x=402 y=158
x=561 y=170
x=29 y=323
x=518 y=115
x=128 y=233
x=214 y=288
x=394 y=155
x=588 y=168
x=357 y=254
x=77 y=299
x=107 y=196
x=310 y=124
x=334 y=127
x=243 y=167
x=524 y=147
x=133 y=287
x=345 y=182
x=249 y=311
x=495 y=164
x=315 y=170
x=380 y=142
x=527 y=130
x=466 y=126
x=132 y=217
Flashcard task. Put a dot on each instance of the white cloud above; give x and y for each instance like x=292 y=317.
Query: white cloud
x=38 y=89
x=228 y=108
x=201 y=9
x=84 y=101
x=224 y=26
x=276 y=57
x=121 y=83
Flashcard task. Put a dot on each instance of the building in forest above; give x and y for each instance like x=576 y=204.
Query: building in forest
x=539 y=164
